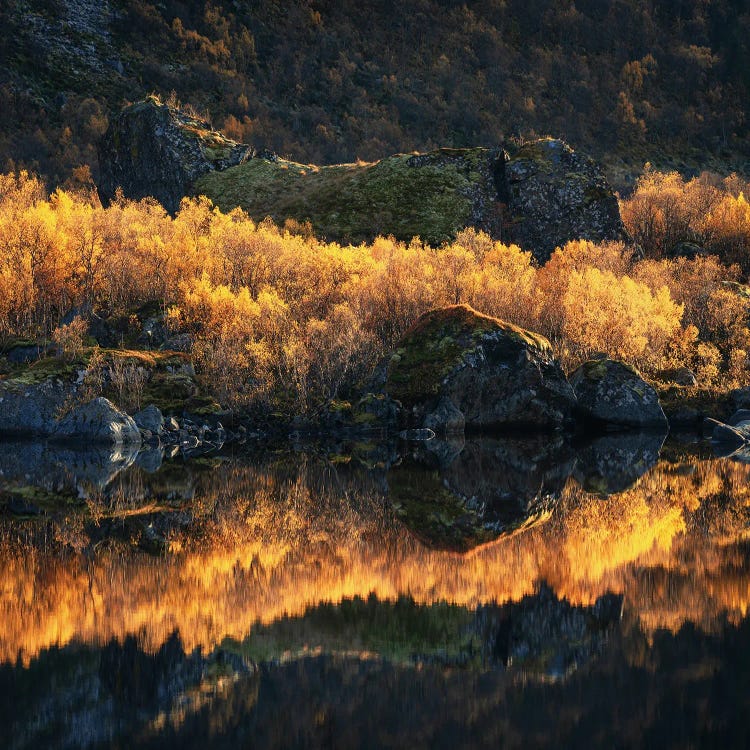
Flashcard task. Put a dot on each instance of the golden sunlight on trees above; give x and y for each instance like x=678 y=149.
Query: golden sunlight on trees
x=276 y=313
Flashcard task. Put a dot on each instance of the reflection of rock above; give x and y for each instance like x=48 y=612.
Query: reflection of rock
x=545 y=635
x=456 y=362
x=61 y=469
x=612 y=463
x=614 y=393
x=733 y=438
x=459 y=499
x=150 y=458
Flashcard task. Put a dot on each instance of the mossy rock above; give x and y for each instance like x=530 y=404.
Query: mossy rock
x=495 y=373
x=614 y=393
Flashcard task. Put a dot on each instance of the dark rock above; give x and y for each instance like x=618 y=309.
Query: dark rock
x=377 y=411
x=741 y=398
x=684 y=417
x=689 y=250
x=554 y=195
x=613 y=393
x=25 y=353
x=32 y=408
x=685 y=376
x=613 y=463
x=496 y=374
x=150 y=419
x=152 y=149
x=98 y=421
x=729 y=438
x=445 y=419
x=182 y=342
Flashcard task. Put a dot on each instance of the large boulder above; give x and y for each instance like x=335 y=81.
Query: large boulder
x=613 y=393
x=553 y=195
x=29 y=408
x=98 y=421
x=153 y=149
x=496 y=375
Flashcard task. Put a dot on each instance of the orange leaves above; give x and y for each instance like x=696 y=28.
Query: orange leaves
x=278 y=312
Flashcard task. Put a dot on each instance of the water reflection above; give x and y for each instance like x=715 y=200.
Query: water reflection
x=299 y=569
x=459 y=496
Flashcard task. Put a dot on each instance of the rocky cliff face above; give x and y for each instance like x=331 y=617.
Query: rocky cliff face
x=539 y=195
x=554 y=195
x=152 y=149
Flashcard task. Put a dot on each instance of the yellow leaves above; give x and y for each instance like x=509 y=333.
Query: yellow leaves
x=619 y=316
x=270 y=308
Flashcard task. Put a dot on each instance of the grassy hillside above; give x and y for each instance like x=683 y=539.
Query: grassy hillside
x=432 y=201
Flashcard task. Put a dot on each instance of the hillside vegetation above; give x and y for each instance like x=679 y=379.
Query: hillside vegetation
x=628 y=81
x=278 y=316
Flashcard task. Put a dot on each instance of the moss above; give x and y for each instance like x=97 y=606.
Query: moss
x=438 y=342
x=354 y=202
x=434 y=513
x=45 y=369
x=42 y=498
x=400 y=631
x=596 y=369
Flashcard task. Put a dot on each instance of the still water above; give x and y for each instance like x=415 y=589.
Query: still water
x=481 y=594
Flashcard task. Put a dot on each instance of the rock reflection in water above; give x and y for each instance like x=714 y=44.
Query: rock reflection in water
x=460 y=495
x=682 y=689
x=261 y=539
x=59 y=468
x=614 y=462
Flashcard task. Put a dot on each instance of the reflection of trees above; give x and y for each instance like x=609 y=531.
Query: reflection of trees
x=261 y=541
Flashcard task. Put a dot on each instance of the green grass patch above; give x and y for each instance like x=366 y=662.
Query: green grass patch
x=354 y=202
x=400 y=631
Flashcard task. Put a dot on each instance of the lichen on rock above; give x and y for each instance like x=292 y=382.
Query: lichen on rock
x=555 y=194
x=614 y=393
x=495 y=374
x=152 y=149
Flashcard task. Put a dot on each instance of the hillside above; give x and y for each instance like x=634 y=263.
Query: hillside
x=324 y=82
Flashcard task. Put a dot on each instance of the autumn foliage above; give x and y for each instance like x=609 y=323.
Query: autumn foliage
x=277 y=314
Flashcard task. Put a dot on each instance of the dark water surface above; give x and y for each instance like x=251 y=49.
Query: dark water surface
x=492 y=593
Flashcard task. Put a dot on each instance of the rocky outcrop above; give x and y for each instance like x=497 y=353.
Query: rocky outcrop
x=153 y=149
x=456 y=361
x=150 y=419
x=98 y=421
x=539 y=195
x=32 y=408
x=613 y=393
x=554 y=194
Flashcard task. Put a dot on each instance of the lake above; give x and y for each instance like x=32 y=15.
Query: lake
x=480 y=593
